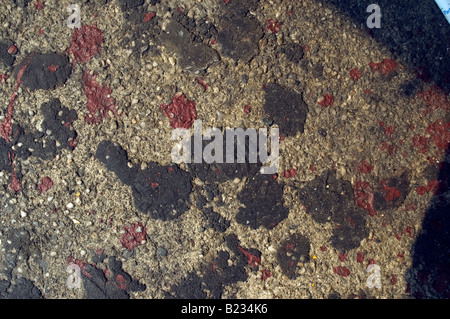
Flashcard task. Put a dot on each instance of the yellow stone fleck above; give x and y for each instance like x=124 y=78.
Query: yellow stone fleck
x=314 y=257
x=77 y=194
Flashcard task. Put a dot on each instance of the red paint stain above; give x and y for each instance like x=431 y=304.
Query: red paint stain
x=341 y=271
x=86 y=43
x=408 y=230
x=265 y=274
x=355 y=74
x=394 y=279
x=390 y=148
x=421 y=143
x=181 y=112
x=252 y=260
x=134 y=236
x=12 y=49
x=364 y=167
x=342 y=257
x=440 y=133
x=15 y=184
x=272 y=25
x=99 y=100
x=410 y=207
x=388 y=130
x=154 y=185
x=121 y=281
x=203 y=83
x=360 y=257
x=431 y=186
x=434 y=98
x=390 y=193
x=148 y=16
x=384 y=67
x=247 y=109
x=39 y=5
x=52 y=68
x=289 y=173
x=6 y=128
x=327 y=100
x=364 y=196
x=45 y=185
x=4 y=76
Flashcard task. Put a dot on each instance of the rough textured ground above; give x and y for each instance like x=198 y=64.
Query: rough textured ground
x=88 y=183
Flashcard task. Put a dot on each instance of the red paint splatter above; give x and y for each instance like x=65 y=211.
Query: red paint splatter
x=360 y=257
x=410 y=207
x=420 y=142
x=265 y=274
x=181 y=112
x=226 y=1
x=154 y=184
x=247 y=109
x=327 y=100
x=364 y=167
x=390 y=193
x=384 y=67
x=431 y=186
x=6 y=128
x=121 y=281
x=368 y=92
x=134 y=236
x=289 y=173
x=341 y=271
x=12 y=49
x=252 y=260
x=394 y=279
x=86 y=43
x=342 y=257
x=390 y=148
x=99 y=100
x=434 y=98
x=148 y=16
x=371 y=262
x=440 y=133
x=39 y=5
x=41 y=31
x=203 y=84
x=323 y=248
x=274 y=26
x=52 y=68
x=364 y=196
x=388 y=130
x=45 y=185
x=408 y=230
x=355 y=74
x=3 y=76
x=15 y=184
